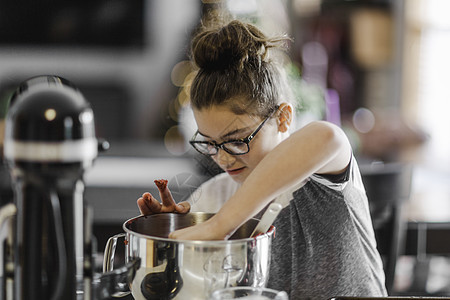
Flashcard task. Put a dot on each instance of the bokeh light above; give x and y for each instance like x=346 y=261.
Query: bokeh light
x=363 y=120
x=180 y=71
x=50 y=114
x=174 y=142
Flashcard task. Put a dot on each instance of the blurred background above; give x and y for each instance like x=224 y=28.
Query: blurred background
x=377 y=68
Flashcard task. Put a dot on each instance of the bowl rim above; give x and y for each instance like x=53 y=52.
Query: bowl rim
x=268 y=235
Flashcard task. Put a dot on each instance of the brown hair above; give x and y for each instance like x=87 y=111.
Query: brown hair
x=234 y=62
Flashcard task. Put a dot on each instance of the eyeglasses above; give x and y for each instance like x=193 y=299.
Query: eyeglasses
x=233 y=147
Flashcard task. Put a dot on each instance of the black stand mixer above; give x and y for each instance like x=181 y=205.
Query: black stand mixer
x=49 y=143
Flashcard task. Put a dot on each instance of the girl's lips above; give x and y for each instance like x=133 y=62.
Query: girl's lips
x=235 y=171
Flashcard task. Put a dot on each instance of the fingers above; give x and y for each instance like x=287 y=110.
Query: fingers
x=183 y=207
x=200 y=232
x=174 y=235
x=188 y=233
x=161 y=184
x=166 y=197
x=148 y=204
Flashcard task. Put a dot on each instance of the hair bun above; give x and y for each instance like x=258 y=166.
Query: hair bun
x=228 y=47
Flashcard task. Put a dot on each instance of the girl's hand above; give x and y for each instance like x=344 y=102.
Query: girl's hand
x=203 y=231
x=150 y=205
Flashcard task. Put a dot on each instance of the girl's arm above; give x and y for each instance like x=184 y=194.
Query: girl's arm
x=319 y=147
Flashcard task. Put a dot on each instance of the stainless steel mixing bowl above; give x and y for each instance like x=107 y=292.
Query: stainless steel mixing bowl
x=174 y=269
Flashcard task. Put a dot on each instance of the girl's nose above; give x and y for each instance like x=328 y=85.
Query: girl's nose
x=224 y=159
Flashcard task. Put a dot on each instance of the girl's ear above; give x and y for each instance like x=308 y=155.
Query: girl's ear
x=285 y=116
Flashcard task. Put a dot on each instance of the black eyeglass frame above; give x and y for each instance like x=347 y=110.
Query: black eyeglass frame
x=246 y=140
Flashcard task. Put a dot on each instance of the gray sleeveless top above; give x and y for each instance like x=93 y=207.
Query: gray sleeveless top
x=324 y=244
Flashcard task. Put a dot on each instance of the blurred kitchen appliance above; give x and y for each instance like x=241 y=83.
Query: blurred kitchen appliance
x=49 y=143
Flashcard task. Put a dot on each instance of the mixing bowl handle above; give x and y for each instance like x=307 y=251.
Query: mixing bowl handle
x=115 y=283
x=108 y=261
x=110 y=251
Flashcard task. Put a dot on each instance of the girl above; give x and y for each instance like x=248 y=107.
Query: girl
x=325 y=244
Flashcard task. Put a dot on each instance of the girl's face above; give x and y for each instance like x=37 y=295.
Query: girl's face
x=220 y=124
